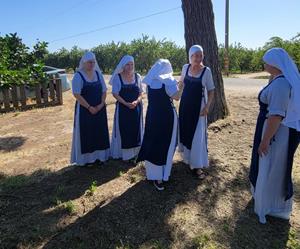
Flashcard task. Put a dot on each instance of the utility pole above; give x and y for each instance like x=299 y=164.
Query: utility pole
x=226 y=56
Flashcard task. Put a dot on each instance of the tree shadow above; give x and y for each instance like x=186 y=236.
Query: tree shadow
x=218 y=186
x=297 y=190
x=240 y=229
x=11 y=143
x=136 y=218
x=249 y=233
x=141 y=217
x=25 y=199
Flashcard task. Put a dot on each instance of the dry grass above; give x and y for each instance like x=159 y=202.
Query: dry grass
x=45 y=204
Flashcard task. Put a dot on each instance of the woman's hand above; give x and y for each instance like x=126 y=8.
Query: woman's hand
x=100 y=106
x=204 y=111
x=180 y=85
x=130 y=105
x=272 y=126
x=93 y=110
x=263 y=148
x=135 y=103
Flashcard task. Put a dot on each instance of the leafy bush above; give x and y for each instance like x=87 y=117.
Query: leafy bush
x=19 y=65
x=243 y=60
x=145 y=50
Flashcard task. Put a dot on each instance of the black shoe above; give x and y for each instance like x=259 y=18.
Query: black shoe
x=198 y=175
x=130 y=161
x=158 y=186
x=194 y=172
x=89 y=165
x=100 y=163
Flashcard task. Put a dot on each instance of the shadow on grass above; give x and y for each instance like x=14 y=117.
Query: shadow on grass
x=297 y=190
x=249 y=233
x=24 y=199
x=11 y=143
x=138 y=218
x=240 y=229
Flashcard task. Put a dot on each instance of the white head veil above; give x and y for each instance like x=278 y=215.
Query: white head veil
x=89 y=56
x=162 y=71
x=120 y=67
x=194 y=49
x=279 y=58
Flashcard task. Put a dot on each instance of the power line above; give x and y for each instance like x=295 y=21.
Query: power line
x=117 y=24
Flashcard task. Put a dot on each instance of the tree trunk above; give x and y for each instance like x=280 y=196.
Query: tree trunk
x=199 y=29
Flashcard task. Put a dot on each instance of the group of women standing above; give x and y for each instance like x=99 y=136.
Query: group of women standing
x=277 y=134
x=156 y=141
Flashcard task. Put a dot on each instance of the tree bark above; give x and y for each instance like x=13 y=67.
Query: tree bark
x=199 y=29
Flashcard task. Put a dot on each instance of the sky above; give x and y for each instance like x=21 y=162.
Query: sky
x=252 y=22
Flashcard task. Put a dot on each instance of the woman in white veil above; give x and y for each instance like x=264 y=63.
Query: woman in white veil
x=160 y=137
x=276 y=137
x=90 y=142
x=196 y=99
x=128 y=119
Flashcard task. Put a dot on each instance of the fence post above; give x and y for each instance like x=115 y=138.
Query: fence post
x=59 y=91
x=22 y=95
x=38 y=94
x=6 y=100
x=14 y=96
x=45 y=93
x=51 y=88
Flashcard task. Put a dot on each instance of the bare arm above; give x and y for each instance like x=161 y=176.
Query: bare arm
x=103 y=100
x=81 y=100
x=273 y=123
x=85 y=104
x=122 y=101
x=104 y=97
x=119 y=98
x=176 y=96
x=137 y=101
x=140 y=98
x=210 y=99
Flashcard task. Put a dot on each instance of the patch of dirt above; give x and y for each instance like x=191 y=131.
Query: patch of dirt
x=44 y=203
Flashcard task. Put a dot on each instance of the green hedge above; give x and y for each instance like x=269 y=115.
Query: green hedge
x=243 y=60
x=19 y=65
x=145 y=50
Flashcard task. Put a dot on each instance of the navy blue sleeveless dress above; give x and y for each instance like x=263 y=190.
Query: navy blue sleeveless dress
x=94 y=133
x=158 y=127
x=189 y=108
x=129 y=119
